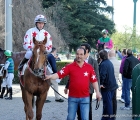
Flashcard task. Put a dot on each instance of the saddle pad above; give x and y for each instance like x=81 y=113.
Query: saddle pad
x=23 y=70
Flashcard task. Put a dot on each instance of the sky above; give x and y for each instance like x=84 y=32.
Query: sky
x=123 y=13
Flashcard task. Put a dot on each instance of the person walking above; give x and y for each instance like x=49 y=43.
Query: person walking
x=39 y=33
x=116 y=64
x=108 y=85
x=129 y=64
x=81 y=73
x=9 y=67
x=52 y=61
x=93 y=62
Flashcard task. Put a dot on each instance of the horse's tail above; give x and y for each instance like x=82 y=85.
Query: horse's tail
x=33 y=101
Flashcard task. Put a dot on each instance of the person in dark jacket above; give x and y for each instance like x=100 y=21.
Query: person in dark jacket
x=129 y=64
x=52 y=61
x=108 y=85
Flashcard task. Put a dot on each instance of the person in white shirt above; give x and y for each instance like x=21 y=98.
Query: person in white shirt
x=39 y=33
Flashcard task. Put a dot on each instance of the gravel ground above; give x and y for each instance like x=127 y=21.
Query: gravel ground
x=14 y=109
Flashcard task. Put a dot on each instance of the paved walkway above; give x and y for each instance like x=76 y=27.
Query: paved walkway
x=14 y=109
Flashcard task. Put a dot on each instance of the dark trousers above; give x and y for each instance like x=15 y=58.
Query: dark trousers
x=90 y=110
x=114 y=103
x=107 y=105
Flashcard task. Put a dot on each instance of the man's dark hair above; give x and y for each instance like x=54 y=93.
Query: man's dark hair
x=53 y=49
x=82 y=49
x=129 y=52
x=103 y=54
x=124 y=51
x=87 y=46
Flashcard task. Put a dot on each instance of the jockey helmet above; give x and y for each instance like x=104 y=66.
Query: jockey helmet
x=8 y=53
x=104 y=31
x=40 y=18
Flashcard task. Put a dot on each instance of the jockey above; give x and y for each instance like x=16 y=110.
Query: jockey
x=9 y=67
x=108 y=44
x=40 y=34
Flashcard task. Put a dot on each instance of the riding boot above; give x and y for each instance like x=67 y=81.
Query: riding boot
x=22 y=64
x=3 y=90
x=10 y=94
x=6 y=95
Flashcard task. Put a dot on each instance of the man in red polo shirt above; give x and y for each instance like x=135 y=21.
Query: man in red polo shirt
x=80 y=74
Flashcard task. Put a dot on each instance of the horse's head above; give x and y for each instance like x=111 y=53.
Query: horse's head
x=2 y=56
x=39 y=56
x=100 y=46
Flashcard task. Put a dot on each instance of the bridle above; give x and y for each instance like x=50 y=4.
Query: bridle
x=41 y=73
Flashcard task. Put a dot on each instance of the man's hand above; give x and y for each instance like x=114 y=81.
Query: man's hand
x=98 y=96
x=101 y=86
x=47 y=77
x=66 y=91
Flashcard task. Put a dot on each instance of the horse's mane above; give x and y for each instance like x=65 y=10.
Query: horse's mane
x=100 y=47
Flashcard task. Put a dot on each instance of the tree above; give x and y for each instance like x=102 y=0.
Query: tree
x=126 y=39
x=84 y=19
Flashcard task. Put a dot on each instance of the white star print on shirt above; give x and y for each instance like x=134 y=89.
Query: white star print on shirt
x=85 y=74
x=93 y=77
x=61 y=71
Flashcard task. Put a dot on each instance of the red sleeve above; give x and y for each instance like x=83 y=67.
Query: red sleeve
x=93 y=76
x=63 y=72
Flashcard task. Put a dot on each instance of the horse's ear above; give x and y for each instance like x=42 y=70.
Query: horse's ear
x=45 y=40
x=34 y=40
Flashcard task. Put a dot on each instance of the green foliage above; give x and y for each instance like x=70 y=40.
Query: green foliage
x=126 y=39
x=16 y=78
x=85 y=19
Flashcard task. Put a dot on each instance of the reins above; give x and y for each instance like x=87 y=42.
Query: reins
x=97 y=101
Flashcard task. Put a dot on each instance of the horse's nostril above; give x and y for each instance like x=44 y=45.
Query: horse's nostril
x=35 y=71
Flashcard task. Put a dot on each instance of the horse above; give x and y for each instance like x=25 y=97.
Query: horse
x=99 y=48
x=2 y=74
x=17 y=57
x=33 y=78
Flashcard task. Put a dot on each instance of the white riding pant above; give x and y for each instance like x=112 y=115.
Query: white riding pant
x=8 y=80
x=28 y=54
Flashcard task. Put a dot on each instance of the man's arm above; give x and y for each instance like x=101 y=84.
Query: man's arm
x=96 y=68
x=119 y=54
x=95 y=86
x=103 y=72
x=6 y=65
x=52 y=62
x=52 y=77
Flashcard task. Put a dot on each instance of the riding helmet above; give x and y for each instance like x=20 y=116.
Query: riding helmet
x=8 y=53
x=104 y=31
x=40 y=18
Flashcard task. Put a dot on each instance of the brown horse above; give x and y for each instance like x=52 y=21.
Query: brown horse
x=34 y=84
x=2 y=74
x=17 y=57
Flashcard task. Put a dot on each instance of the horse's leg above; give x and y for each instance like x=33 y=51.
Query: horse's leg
x=39 y=105
x=24 y=100
x=28 y=107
